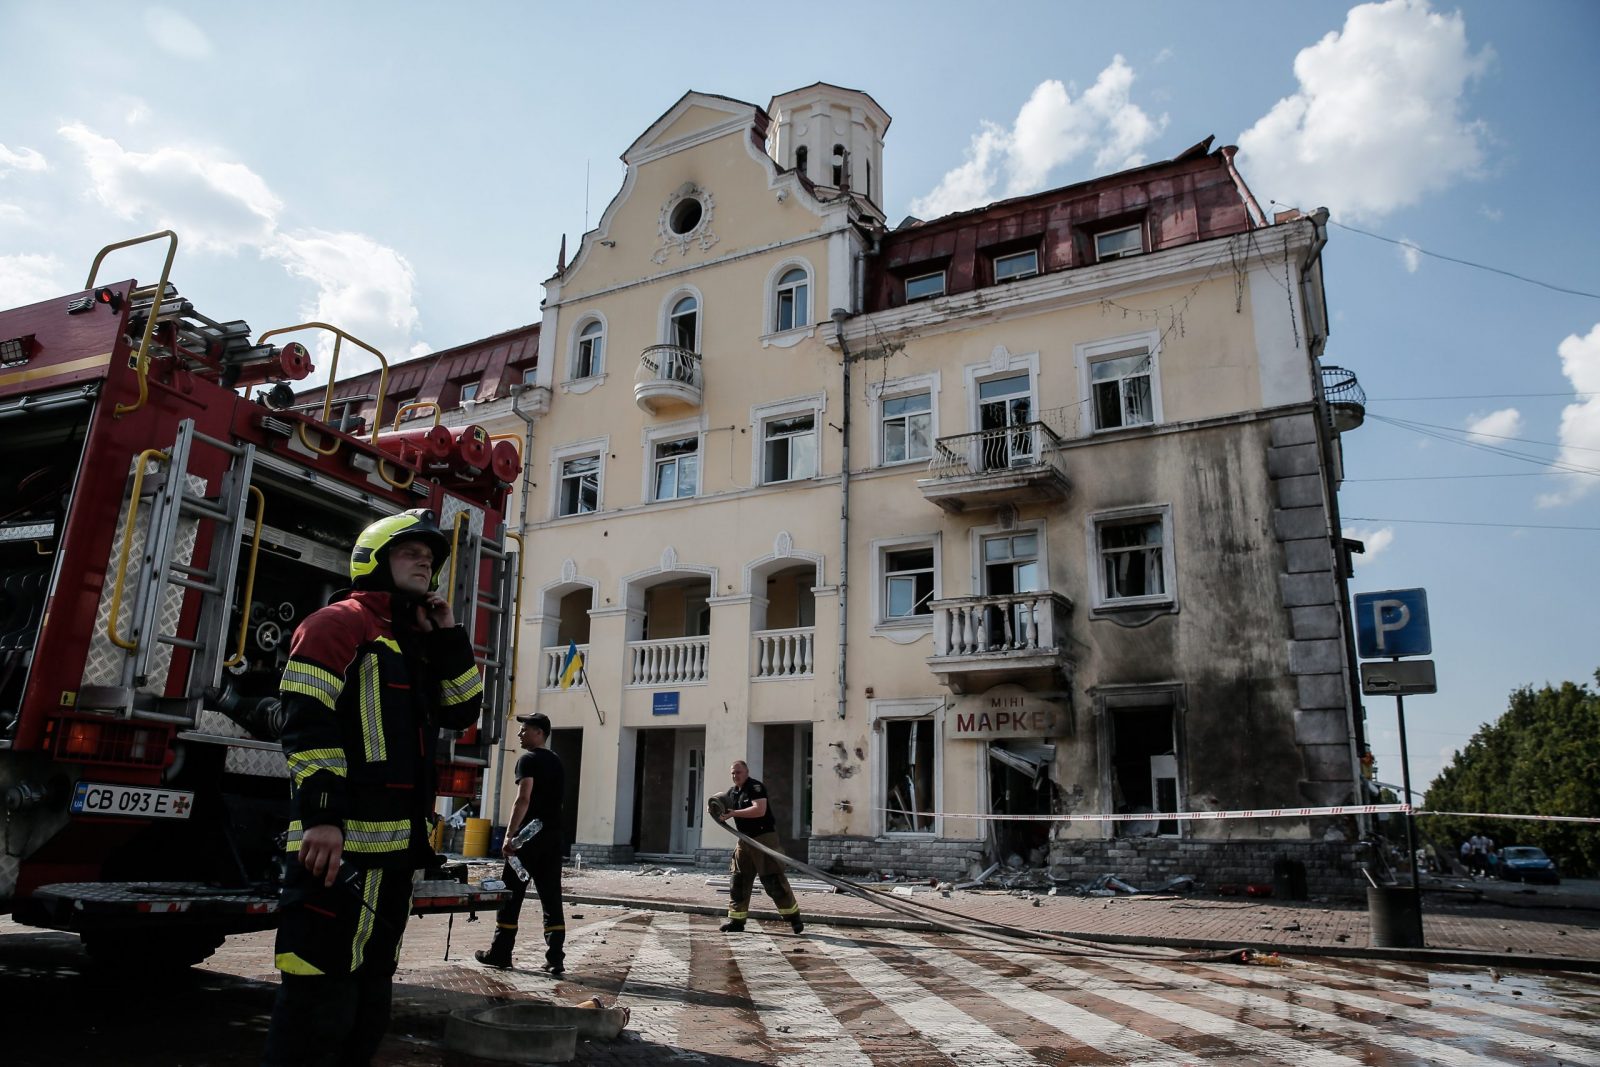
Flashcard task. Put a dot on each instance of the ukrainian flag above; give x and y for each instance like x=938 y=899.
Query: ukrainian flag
x=571 y=665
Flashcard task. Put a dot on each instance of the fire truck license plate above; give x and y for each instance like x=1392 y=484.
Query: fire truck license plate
x=95 y=798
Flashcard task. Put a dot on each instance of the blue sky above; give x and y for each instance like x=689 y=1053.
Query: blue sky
x=408 y=170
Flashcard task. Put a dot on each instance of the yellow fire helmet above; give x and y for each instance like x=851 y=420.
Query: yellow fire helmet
x=369 y=558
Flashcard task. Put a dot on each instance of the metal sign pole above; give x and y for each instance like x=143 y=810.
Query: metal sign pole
x=1411 y=823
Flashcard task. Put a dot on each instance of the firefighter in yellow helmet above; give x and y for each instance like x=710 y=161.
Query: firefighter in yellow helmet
x=371 y=680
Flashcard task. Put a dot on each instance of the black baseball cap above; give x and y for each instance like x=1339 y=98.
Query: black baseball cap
x=538 y=720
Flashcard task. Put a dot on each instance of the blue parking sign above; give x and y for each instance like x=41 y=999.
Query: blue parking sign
x=1393 y=623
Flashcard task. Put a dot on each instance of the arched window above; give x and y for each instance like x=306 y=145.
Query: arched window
x=683 y=325
x=838 y=166
x=588 y=357
x=793 y=304
x=801 y=155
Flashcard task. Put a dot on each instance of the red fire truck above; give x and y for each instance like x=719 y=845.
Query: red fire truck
x=166 y=519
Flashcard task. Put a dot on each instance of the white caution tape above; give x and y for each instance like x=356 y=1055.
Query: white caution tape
x=1249 y=813
x=1163 y=816
x=1532 y=818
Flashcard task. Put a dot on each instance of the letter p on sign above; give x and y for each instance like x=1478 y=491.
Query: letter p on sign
x=1393 y=623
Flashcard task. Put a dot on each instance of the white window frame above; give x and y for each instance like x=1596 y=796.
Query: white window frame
x=979 y=534
x=816 y=405
x=878 y=392
x=911 y=627
x=598 y=367
x=997 y=260
x=1101 y=257
x=1090 y=352
x=664 y=327
x=1099 y=602
x=772 y=337
x=1005 y=366
x=881 y=713
x=463 y=397
x=675 y=431
x=943 y=274
x=594 y=446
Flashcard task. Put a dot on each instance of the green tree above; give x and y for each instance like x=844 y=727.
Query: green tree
x=1542 y=757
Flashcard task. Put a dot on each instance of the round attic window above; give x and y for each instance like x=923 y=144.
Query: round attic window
x=686 y=215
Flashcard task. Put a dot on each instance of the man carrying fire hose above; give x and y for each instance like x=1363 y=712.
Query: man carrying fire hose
x=751 y=811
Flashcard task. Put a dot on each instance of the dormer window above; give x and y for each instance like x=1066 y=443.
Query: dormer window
x=925 y=286
x=469 y=391
x=1016 y=265
x=1115 y=244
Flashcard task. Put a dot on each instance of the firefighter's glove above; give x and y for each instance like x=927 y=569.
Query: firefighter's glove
x=717 y=806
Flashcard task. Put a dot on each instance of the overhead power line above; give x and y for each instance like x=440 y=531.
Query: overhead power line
x=1496 y=436
x=1450 y=522
x=1451 y=477
x=1467 y=262
x=1476 y=396
x=1498 y=450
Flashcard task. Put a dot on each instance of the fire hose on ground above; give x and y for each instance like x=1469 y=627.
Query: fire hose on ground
x=1002 y=933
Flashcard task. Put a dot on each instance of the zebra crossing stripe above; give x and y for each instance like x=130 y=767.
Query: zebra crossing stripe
x=661 y=963
x=1442 y=998
x=526 y=977
x=1450 y=1021
x=951 y=1030
x=1239 y=997
x=1213 y=1024
x=787 y=1008
x=1122 y=1044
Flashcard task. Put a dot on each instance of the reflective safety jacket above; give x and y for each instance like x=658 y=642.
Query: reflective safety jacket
x=362 y=723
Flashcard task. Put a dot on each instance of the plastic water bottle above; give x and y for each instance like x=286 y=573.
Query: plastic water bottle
x=526 y=833
x=517 y=868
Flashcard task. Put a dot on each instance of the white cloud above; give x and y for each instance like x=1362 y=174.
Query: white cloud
x=219 y=205
x=1494 y=427
x=1378 y=122
x=363 y=287
x=28 y=279
x=1050 y=130
x=138 y=111
x=1493 y=214
x=1580 y=422
x=21 y=159
x=1410 y=254
x=176 y=34
x=1376 y=541
x=1162 y=56
x=212 y=203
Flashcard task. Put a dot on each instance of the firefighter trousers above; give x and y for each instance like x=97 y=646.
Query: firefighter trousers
x=337 y=949
x=544 y=864
x=749 y=864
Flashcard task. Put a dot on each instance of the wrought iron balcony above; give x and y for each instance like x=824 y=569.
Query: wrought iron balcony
x=668 y=376
x=979 y=641
x=1016 y=465
x=1347 y=401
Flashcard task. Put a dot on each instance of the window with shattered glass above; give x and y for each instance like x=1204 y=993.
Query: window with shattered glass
x=908 y=778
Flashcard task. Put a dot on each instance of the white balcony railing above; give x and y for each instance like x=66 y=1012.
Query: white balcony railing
x=670 y=661
x=554 y=657
x=1017 y=623
x=785 y=653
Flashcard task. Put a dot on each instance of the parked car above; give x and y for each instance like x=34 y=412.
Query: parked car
x=1524 y=863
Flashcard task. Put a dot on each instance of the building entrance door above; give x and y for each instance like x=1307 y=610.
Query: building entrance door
x=689 y=778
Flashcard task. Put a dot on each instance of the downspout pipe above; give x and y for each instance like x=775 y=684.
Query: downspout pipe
x=840 y=315
x=518 y=392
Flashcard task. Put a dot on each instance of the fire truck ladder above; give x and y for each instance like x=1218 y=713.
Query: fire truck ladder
x=169 y=501
x=497 y=598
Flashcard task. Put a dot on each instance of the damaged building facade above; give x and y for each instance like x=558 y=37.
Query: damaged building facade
x=1024 y=511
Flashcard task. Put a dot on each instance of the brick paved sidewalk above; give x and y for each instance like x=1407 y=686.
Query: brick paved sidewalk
x=1499 y=925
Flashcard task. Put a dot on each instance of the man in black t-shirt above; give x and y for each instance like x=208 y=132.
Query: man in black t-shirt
x=541 y=783
x=751 y=811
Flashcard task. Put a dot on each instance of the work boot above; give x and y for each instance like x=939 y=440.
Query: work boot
x=732 y=926
x=491 y=958
x=555 y=970
x=795 y=924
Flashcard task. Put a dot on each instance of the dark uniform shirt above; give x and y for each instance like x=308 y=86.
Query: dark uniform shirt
x=549 y=789
x=745 y=795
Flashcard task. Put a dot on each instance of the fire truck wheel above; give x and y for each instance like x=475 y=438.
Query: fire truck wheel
x=145 y=950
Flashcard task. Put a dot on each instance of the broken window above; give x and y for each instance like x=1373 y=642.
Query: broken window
x=908 y=779
x=1122 y=390
x=1144 y=769
x=1134 y=566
